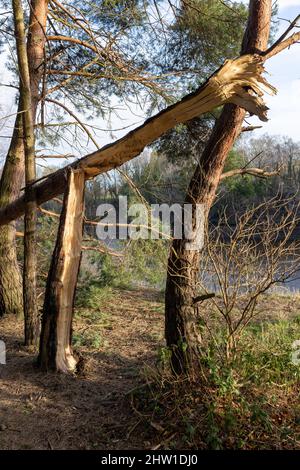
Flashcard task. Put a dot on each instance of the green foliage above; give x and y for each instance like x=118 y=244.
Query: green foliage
x=93 y=295
x=238 y=185
x=164 y=356
x=234 y=160
x=90 y=310
x=206 y=32
x=263 y=361
x=233 y=404
x=143 y=263
x=91 y=340
x=146 y=261
x=183 y=144
x=113 y=274
x=267 y=352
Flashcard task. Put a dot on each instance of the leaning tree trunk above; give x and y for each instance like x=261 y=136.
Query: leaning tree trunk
x=11 y=300
x=11 y=181
x=55 y=342
x=181 y=308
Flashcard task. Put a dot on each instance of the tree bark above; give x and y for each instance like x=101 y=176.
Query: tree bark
x=182 y=313
x=55 y=342
x=11 y=181
x=238 y=81
x=29 y=270
x=11 y=300
x=36 y=42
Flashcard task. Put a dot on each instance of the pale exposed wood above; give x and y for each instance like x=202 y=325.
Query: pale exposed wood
x=55 y=346
x=227 y=85
x=71 y=250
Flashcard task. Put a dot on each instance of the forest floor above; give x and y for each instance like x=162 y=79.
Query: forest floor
x=92 y=410
x=95 y=410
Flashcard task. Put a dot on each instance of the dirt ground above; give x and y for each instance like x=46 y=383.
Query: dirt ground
x=119 y=341
x=92 y=411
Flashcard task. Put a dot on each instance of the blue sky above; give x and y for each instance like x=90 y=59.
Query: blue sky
x=284 y=74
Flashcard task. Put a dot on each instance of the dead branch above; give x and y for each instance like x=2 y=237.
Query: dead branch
x=250 y=128
x=258 y=172
x=102 y=249
x=239 y=81
x=283 y=43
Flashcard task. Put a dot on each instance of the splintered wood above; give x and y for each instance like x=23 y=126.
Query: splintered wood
x=239 y=81
x=55 y=346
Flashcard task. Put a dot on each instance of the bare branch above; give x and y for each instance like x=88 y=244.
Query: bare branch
x=260 y=173
x=283 y=43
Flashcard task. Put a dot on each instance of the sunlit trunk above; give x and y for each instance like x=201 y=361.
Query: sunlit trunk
x=55 y=342
x=182 y=314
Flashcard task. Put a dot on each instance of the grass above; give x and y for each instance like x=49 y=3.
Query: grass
x=250 y=403
x=126 y=398
x=91 y=317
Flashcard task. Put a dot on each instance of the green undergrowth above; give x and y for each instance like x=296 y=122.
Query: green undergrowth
x=251 y=402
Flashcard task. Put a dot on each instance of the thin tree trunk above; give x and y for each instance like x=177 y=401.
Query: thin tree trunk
x=12 y=177
x=181 y=311
x=11 y=300
x=29 y=271
x=36 y=50
x=55 y=341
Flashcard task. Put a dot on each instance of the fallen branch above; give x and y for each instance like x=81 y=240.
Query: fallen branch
x=239 y=81
x=151 y=228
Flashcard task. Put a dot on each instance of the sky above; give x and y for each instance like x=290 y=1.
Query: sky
x=283 y=72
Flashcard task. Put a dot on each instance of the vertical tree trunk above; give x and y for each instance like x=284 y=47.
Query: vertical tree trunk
x=11 y=300
x=29 y=272
x=36 y=49
x=30 y=93
x=181 y=311
x=55 y=342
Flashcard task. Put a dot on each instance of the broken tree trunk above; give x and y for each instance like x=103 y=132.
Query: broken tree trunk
x=238 y=81
x=182 y=313
x=55 y=342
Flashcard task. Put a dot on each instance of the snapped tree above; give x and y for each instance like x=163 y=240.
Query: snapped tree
x=44 y=43
x=238 y=82
x=55 y=341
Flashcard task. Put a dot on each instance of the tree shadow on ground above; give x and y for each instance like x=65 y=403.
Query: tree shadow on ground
x=56 y=411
